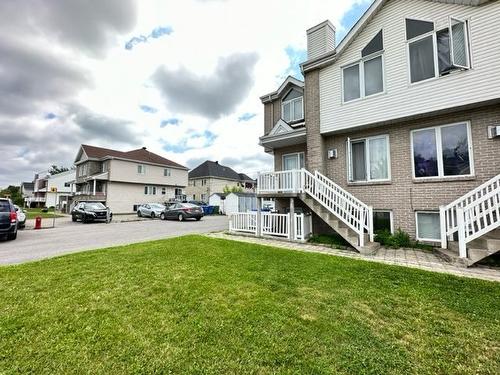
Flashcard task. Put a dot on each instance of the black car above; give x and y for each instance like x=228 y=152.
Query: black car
x=8 y=219
x=90 y=212
x=182 y=211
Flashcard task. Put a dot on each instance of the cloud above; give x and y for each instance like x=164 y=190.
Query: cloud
x=211 y=96
x=246 y=117
x=170 y=121
x=193 y=141
x=87 y=26
x=148 y=109
x=155 y=34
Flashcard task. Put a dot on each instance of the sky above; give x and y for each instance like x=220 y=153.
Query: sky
x=182 y=78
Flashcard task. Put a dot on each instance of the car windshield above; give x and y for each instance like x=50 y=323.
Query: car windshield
x=95 y=206
x=4 y=206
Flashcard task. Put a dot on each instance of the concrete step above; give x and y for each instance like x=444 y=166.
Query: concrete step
x=487 y=242
x=475 y=255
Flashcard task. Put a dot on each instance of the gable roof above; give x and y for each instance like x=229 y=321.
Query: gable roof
x=139 y=155
x=288 y=82
x=214 y=169
x=370 y=13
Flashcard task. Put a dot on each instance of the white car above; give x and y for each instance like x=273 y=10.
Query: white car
x=21 y=217
x=151 y=210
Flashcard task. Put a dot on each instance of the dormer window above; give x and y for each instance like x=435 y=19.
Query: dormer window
x=292 y=106
x=433 y=53
x=365 y=77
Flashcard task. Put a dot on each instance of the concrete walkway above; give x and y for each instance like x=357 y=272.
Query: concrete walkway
x=413 y=258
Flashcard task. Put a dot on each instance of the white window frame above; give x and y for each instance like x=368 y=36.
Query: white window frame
x=439 y=151
x=292 y=107
x=361 y=63
x=167 y=172
x=391 y=218
x=297 y=154
x=151 y=190
x=367 y=159
x=141 y=169
x=433 y=33
x=416 y=226
x=467 y=43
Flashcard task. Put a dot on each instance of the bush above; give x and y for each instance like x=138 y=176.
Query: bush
x=334 y=240
x=398 y=239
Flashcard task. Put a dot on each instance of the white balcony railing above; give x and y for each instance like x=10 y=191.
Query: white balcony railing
x=280 y=182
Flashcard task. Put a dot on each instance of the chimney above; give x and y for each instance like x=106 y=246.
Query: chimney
x=320 y=39
x=144 y=147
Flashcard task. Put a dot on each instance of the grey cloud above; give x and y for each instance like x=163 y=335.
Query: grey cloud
x=89 y=26
x=250 y=164
x=212 y=96
x=29 y=76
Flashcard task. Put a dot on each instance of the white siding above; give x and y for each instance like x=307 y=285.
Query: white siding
x=126 y=171
x=400 y=98
x=320 y=39
x=122 y=197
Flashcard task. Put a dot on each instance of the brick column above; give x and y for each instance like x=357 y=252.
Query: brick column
x=315 y=143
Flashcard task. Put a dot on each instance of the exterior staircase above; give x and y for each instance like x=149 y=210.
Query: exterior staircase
x=343 y=212
x=475 y=217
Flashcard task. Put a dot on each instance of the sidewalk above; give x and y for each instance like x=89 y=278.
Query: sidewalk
x=413 y=258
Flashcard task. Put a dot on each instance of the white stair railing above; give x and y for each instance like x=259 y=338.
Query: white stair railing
x=345 y=206
x=478 y=218
x=449 y=214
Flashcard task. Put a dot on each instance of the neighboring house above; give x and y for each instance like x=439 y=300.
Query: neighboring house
x=124 y=180
x=52 y=190
x=397 y=127
x=240 y=202
x=211 y=177
x=27 y=191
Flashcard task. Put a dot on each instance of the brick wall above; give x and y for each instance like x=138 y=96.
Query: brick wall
x=279 y=152
x=403 y=195
x=315 y=143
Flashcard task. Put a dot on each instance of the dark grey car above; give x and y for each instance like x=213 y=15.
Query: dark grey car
x=8 y=219
x=90 y=212
x=182 y=211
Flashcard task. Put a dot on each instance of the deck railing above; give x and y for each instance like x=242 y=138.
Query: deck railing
x=279 y=182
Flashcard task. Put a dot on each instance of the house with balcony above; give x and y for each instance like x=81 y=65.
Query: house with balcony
x=397 y=126
x=210 y=177
x=122 y=180
x=52 y=190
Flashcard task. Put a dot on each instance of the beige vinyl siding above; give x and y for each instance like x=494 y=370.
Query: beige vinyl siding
x=126 y=171
x=121 y=197
x=401 y=99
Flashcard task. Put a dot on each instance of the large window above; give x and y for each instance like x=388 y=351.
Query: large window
x=369 y=159
x=293 y=161
x=442 y=151
x=150 y=190
x=292 y=106
x=433 y=53
x=428 y=226
x=365 y=77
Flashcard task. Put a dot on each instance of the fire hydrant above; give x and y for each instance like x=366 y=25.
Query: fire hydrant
x=38 y=222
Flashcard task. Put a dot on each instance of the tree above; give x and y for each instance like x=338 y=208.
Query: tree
x=14 y=193
x=54 y=169
x=233 y=189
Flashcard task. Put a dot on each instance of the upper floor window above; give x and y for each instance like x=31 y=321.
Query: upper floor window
x=365 y=77
x=442 y=151
x=434 y=53
x=105 y=166
x=368 y=159
x=141 y=169
x=292 y=106
x=167 y=172
x=293 y=161
x=83 y=169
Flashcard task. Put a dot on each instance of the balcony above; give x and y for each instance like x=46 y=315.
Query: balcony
x=284 y=183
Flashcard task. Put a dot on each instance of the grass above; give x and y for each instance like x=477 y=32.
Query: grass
x=32 y=213
x=199 y=305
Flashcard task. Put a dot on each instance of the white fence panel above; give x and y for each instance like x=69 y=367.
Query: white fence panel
x=275 y=224
x=243 y=222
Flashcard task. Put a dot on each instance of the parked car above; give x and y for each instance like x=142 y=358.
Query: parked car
x=182 y=211
x=198 y=203
x=90 y=212
x=150 y=209
x=8 y=219
x=21 y=217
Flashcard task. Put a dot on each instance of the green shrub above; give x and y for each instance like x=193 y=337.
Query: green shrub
x=397 y=240
x=334 y=240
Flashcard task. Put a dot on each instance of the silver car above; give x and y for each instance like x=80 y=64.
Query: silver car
x=151 y=210
x=21 y=216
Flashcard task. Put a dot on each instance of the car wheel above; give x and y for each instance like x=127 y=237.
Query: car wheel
x=162 y=216
x=73 y=218
x=12 y=236
x=139 y=213
x=198 y=218
x=180 y=217
x=152 y=215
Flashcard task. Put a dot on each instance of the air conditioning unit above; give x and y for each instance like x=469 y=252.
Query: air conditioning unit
x=493 y=131
x=332 y=154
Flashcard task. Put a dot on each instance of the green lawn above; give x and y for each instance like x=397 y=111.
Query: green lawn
x=199 y=305
x=32 y=213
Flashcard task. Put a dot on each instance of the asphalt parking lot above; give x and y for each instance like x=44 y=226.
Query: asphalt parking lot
x=69 y=237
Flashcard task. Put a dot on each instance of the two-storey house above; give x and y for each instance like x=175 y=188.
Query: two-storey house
x=210 y=177
x=52 y=190
x=397 y=126
x=122 y=180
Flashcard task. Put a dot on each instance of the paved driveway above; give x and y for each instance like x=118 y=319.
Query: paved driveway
x=73 y=237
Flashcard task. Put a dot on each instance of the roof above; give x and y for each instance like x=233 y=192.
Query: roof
x=219 y=194
x=214 y=169
x=244 y=194
x=370 y=13
x=140 y=155
x=286 y=83
x=28 y=185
